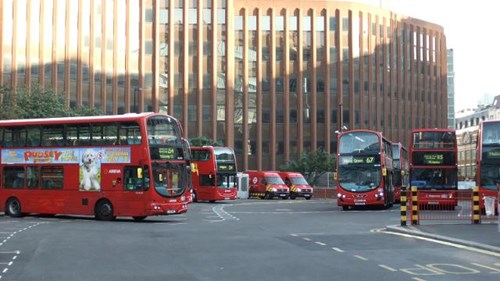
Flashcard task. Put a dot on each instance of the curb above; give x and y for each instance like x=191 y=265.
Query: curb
x=416 y=232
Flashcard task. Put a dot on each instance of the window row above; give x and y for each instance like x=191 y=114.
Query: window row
x=33 y=177
x=71 y=135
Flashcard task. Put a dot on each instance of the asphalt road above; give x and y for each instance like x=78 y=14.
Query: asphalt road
x=237 y=240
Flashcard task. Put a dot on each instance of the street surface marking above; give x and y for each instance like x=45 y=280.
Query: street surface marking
x=463 y=247
x=360 y=257
x=320 y=243
x=493 y=270
x=338 y=250
x=387 y=267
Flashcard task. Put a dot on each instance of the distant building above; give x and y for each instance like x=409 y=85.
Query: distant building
x=451 y=90
x=272 y=79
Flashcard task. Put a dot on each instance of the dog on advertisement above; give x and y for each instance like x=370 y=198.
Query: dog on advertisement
x=89 y=170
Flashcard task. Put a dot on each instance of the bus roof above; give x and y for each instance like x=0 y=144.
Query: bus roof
x=80 y=119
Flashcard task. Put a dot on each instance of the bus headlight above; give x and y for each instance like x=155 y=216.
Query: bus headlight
x=274 y=189
x=299 y=190
x=341 y=196
x=379 y=195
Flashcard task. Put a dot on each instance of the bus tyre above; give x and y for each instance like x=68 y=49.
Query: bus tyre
x=13 y=208
x=104 y=211
x=139 y=218
x=345 y=208
x=292 y=196
x=194 y=196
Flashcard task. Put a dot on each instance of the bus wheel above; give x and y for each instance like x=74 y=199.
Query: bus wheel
x=139 y=218
x=194 y=196
x=104 y=210
x=14 y=208
x=292 y=196
x=345 y=208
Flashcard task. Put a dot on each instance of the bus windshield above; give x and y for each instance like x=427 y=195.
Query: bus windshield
x=169 y=182
x=434 y=178
x=434 y=140
x=359 y=142
x=163 y=129
x=490 y=176
x=359 y=177
x=226 y=181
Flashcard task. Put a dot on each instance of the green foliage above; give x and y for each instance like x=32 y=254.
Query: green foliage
x=312 y=165
x=37 y=102
x=202 y=140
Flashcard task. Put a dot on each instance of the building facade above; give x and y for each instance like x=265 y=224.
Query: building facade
x=272 y=79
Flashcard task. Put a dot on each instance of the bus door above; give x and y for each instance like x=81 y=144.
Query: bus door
x=135 y=186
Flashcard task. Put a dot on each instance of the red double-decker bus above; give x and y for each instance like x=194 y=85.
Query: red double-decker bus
x=364 y=169
x=433 y=166
x=133 y=165
x=214 y=173
x=401 y=162
x=488 y=161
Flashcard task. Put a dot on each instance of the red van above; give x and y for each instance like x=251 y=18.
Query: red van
x=267 y=185
x=298 y=185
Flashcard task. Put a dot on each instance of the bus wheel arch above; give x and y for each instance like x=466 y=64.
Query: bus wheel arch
x=13 y=207
x=104 y=210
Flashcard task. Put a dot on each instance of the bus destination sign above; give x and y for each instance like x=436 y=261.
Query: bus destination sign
x=357 y=159
x=433 y=159
x=226 y=167
x=165 y=153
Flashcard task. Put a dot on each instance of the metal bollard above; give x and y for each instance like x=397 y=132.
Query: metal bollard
x=403 y=206
x=414 y=206
x=476 y=211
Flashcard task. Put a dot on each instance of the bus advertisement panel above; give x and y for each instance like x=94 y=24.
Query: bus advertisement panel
x=401 y=169
x=433 y=166
x=214 y=173
x=364 y=169
x=488 y=162
x=133 y=165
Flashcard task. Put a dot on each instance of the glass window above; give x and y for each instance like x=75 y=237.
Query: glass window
x=52 y=177
x=33 y=176
x=13 y=177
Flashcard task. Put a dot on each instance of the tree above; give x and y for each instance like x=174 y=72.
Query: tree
x=37 y=102
x=312 y=165
x=202 y=140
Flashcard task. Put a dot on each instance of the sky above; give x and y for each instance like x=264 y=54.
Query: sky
x=471 y=31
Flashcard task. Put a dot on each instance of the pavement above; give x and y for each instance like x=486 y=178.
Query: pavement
x=485 y=236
